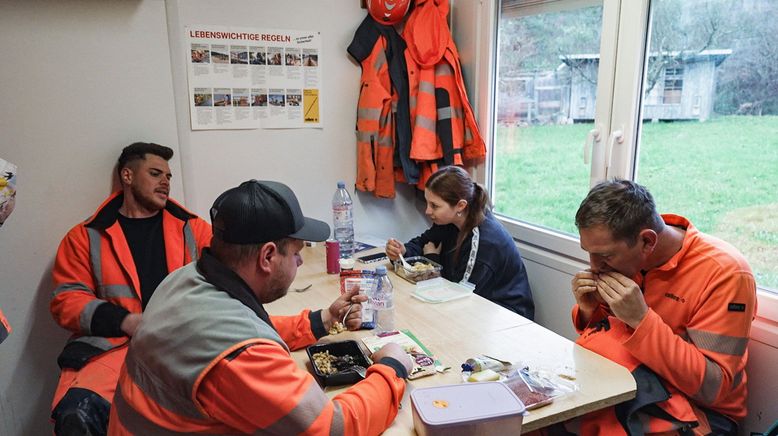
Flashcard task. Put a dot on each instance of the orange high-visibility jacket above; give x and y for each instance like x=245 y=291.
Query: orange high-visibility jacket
x=444 y=127
x=5 y=327
x=375 y=123
x=693 y=340
x=207 y=361
x=94 y=267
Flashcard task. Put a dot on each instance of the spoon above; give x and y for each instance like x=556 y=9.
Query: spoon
x=405 y=263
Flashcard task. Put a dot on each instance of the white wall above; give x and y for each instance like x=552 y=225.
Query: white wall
x=79 y=80
x=311 y=161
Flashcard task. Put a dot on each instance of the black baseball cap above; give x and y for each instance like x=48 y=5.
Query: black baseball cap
x=260 y=211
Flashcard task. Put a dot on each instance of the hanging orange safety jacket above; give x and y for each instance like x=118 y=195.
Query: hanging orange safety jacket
x=688 y=355
x=374 y=130
x=5 y=327
x=94 y=268
x=208 y=378
x=444 y=128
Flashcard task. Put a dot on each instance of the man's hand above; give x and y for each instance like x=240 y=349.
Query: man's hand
x=623 y=296
x=396 y=352
x=348 y=302
x=130 y=323
x=394 y=249
x=584 y=286
x=432 y=248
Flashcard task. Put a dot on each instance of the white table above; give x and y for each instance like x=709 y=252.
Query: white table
x=456 y=330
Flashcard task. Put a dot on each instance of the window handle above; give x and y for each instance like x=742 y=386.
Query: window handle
x=592 y=137
x=617 y=136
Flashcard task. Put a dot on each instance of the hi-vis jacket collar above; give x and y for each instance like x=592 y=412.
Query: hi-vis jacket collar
x=108 y=212
x=228 y=281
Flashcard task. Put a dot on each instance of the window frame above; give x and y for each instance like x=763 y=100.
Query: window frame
x=562 y=244
x=624 y=79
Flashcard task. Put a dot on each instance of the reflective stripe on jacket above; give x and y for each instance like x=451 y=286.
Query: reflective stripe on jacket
x=94 y=267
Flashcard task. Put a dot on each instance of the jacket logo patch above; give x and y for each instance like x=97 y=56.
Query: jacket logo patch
x=675 y=297
x=736 y=307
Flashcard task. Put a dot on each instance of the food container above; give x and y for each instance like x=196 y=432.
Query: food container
x=421 y=269
x=466 y=409
x=348 y=354
x=440 y=290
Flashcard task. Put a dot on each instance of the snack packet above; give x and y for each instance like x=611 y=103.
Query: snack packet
x=538 y=387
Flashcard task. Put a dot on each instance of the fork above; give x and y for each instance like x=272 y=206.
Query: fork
x=303 y=289
x=359 y=369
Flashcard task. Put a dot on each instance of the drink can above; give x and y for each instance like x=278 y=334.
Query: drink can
x=333 y=255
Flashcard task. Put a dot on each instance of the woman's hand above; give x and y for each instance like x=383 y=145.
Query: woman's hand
x=394 y=249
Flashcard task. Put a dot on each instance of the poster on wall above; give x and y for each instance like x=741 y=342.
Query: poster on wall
x=246 y=78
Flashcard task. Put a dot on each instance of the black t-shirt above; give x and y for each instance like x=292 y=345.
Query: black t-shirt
x=147 y=245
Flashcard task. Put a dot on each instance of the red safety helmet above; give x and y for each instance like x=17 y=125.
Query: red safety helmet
x=388 y=11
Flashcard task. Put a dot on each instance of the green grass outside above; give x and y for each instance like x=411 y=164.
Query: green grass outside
x=722 y=174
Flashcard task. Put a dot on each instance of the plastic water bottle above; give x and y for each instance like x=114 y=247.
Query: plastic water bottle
x=343 y=221
x=383 y=301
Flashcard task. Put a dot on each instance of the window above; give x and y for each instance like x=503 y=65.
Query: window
x=539 y=176
x=715 y=159
x=612 y=74
x=673 y=85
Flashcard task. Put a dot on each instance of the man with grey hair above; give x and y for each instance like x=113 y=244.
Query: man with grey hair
x=208 y=358
x=671 y=304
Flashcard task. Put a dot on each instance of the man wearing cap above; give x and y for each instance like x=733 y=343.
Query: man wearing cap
x=209 y=359
x=106 y=269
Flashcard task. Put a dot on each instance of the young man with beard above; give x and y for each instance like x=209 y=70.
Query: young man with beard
x=106 y=269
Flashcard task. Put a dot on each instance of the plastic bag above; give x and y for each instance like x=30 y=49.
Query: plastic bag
x=538 y=387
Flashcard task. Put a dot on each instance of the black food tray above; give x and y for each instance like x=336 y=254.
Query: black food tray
x=339 y=349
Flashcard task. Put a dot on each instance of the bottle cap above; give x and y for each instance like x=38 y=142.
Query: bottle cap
x=380 y=270
x=346 y=263
x=341 y=184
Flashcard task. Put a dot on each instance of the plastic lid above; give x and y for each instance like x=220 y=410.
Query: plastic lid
x=465 y=403
x=380 y=270
x=346 y=263
x=341 y=184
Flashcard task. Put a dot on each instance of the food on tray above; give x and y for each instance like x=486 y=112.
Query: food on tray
x=328 y=364
x=420 y=269
x=336 y=328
